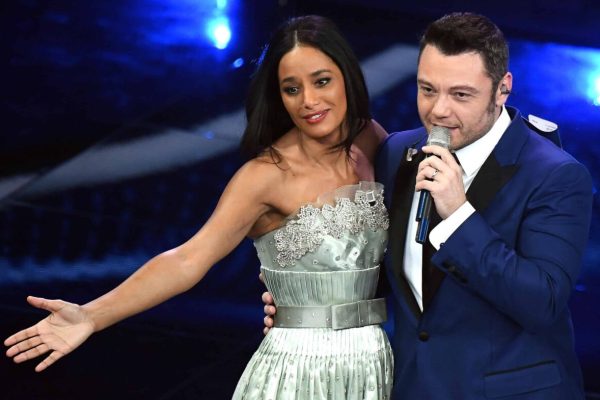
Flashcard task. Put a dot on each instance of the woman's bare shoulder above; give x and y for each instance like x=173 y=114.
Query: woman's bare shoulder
x=265 y=182
x=258 y=174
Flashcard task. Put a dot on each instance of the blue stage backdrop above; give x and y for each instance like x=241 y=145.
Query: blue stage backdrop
x=122 y=122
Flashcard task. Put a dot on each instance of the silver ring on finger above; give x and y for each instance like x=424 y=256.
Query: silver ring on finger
x=435 y=171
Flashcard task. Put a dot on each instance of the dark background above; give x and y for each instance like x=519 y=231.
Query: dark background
x=121 y=123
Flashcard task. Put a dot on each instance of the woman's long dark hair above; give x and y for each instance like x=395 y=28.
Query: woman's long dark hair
x=267 y=117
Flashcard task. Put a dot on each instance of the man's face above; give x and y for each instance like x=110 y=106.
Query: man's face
x=455 y=92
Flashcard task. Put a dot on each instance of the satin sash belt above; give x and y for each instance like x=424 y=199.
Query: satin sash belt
x=339 y=316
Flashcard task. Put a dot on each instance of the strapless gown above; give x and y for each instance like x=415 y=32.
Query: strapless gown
x=327 y=253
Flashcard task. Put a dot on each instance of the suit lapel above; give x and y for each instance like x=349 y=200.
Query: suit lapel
x=489 y=180
x=501 y=165
x=399 y=213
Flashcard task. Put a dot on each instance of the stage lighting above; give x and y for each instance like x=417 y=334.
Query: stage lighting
x=239 y=62
x=597 y=92
x=219 y=32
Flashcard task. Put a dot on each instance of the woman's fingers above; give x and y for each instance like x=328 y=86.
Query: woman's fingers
x=24 y=346
x=21 y=336
x=48 y=361
x=32 y=353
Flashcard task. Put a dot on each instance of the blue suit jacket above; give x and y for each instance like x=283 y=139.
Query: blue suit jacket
x=498 y=325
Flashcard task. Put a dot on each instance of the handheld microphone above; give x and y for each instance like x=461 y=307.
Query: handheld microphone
x=439 y=136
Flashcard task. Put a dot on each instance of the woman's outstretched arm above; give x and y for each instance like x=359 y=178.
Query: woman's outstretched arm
x=242 y=203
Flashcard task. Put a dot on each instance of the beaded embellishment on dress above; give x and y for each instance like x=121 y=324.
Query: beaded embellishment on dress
x=306 y=231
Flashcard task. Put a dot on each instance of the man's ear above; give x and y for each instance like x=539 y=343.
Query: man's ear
x=504 y=89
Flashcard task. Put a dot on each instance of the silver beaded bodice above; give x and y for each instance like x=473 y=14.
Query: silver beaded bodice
x=328 y=254
x=352 y=218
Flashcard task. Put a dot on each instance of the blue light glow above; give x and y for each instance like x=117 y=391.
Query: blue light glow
x=219 y=32
x=567 y=78
x=238 y=63
x=209 y=135
x=221 y=4
x=587 y=66
x=597 y=92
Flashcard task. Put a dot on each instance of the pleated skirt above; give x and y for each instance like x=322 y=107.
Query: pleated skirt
x=323 y=364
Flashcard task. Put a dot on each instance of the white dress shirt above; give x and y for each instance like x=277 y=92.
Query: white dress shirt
x=471 y=159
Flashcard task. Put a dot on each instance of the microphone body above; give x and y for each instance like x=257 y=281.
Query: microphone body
x=439 y=136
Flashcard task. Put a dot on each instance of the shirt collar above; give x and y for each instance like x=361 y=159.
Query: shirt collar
x=474 y=155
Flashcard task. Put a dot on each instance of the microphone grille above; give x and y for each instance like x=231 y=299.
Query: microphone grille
x=439 y=136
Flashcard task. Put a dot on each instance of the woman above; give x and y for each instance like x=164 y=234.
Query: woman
x=319 y=232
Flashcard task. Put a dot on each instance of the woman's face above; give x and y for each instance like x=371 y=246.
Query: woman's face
x=313 y=92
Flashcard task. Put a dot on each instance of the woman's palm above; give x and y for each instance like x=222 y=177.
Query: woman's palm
x=67 y=327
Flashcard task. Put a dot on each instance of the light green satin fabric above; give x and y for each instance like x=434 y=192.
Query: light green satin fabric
x=330 y=265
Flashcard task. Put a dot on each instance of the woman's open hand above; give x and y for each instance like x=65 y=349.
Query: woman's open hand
x=61 y=332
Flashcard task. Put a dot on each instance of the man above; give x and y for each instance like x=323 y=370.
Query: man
x=480 y=309
x=486 y=316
